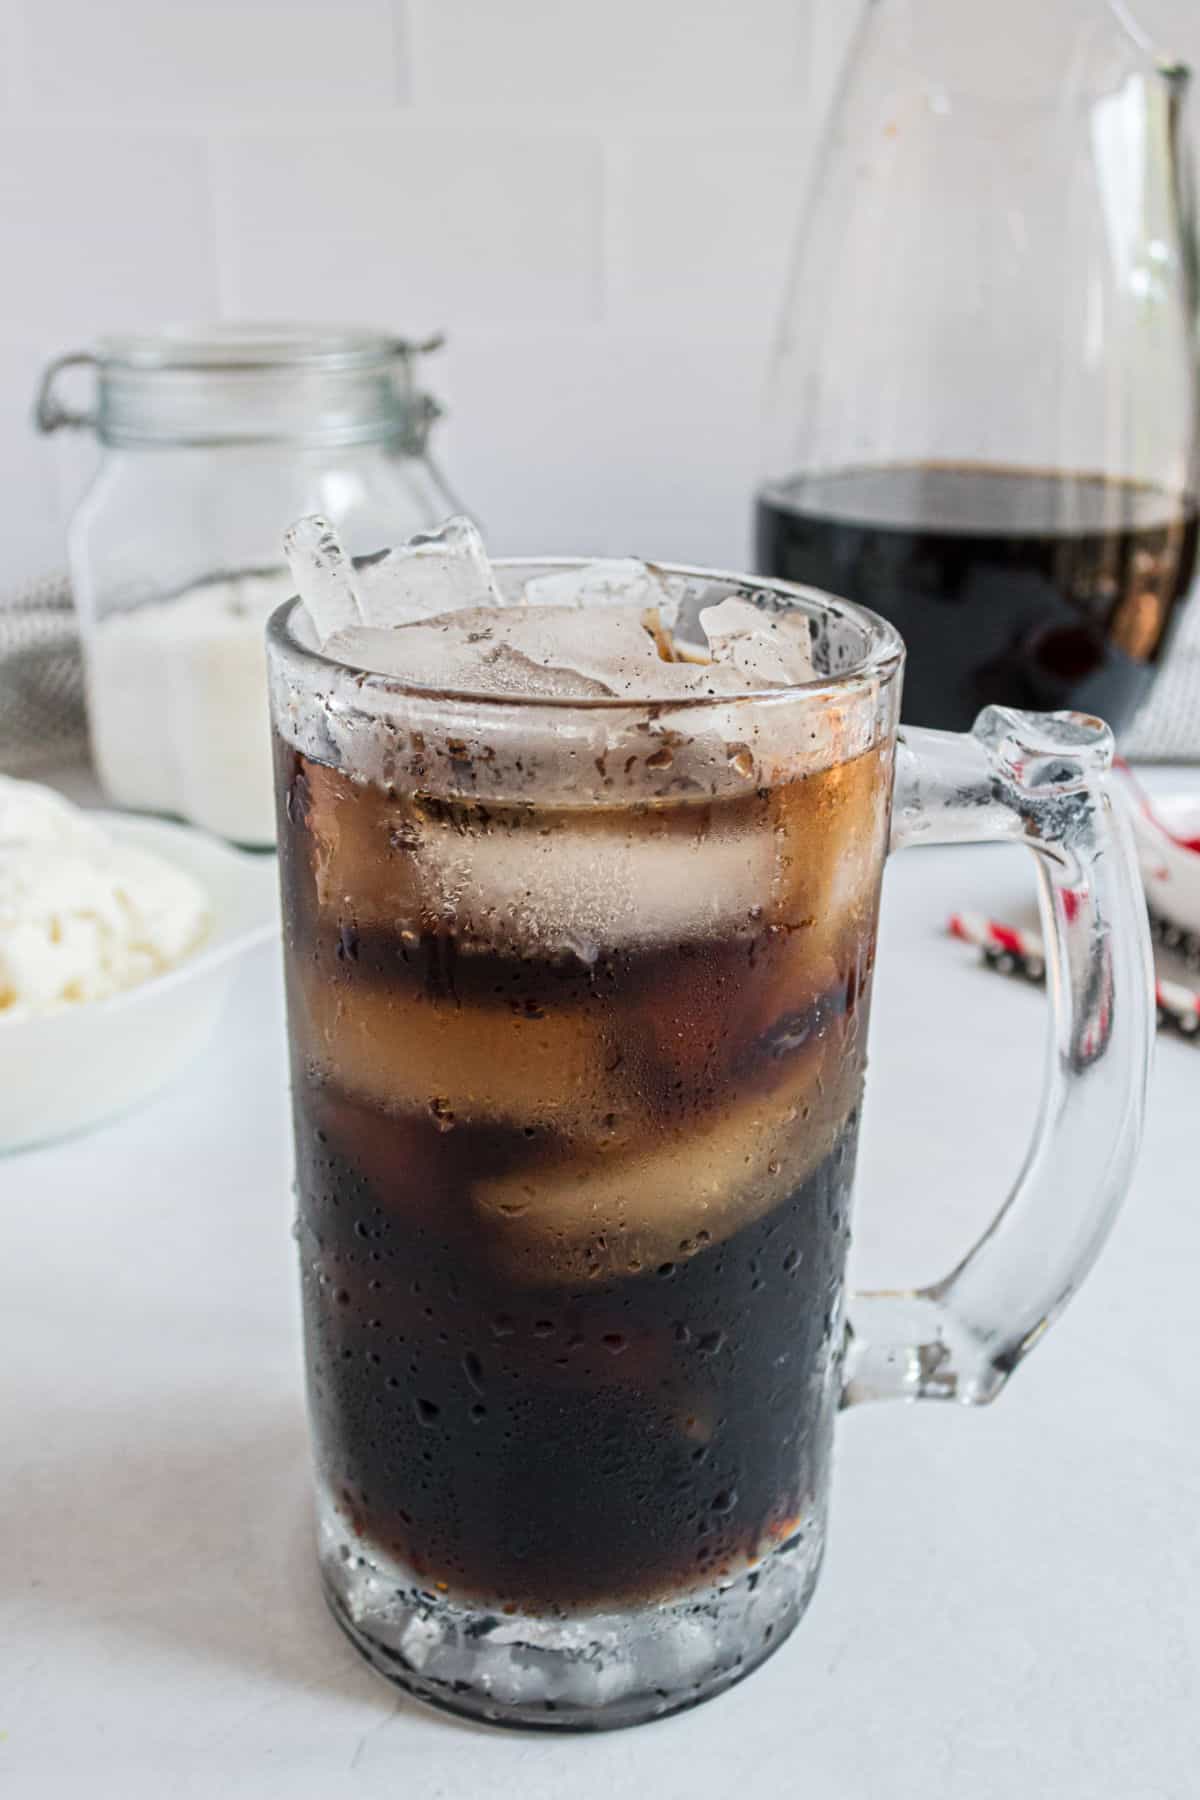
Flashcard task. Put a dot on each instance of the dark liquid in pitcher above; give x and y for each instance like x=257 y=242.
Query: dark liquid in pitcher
x=572 y=1215
x=1009 y=587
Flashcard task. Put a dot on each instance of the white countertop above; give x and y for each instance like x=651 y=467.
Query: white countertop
x=1011 y=1600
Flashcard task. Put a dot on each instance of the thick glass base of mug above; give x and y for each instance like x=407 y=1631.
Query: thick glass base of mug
x=572 y=1672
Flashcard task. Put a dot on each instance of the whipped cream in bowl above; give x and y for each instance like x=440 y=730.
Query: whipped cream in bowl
x=83 y=915
x=118 y=941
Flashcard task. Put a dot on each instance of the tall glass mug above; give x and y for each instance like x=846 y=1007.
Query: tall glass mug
x=578 y=996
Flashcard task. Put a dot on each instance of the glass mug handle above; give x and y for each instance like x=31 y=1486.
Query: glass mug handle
x=1038 y=779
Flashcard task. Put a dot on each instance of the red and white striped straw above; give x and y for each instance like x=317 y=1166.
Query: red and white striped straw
x=1023 y=953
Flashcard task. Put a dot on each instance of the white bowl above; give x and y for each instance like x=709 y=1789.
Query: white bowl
x=67 y=1070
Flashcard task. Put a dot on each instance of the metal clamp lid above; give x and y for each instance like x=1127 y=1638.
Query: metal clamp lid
x=239 y=383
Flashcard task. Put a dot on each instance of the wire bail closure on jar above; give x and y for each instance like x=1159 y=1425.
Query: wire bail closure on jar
x=284 y=384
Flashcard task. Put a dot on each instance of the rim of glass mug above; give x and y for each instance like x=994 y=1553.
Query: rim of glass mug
x=882 y=655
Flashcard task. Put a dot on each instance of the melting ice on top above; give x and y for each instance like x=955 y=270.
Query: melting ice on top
x=434 y=572
x=431 y=614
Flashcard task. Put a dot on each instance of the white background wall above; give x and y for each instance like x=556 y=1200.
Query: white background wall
x=594 y=197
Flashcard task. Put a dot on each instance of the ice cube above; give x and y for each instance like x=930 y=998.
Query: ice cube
x=583 y=881
x=476 y=651
x=434 y=572
x=674 y=1192
x=612 y=581
x=831 y=830
x=536 y=652
x=356 y=850
x=608 y=649
x=515 y=671
x=733 y=1018
x=599 y=881
x=452 y=1063
x=323 y=575
x=768 y=649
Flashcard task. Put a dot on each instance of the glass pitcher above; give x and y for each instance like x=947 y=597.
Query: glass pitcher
x=983 y=405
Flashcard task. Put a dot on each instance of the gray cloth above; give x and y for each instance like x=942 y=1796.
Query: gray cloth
x=42 y=718
x=1167 y=729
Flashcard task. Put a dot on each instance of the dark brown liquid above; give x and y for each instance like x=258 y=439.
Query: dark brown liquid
x=1016 y=588
x=572 y=1216
x=555 y=1445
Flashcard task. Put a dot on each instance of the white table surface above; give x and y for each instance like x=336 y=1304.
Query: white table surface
x=1011 y=1600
